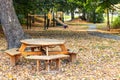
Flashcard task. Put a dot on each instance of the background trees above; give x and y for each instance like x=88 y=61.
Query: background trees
x=108 y=5
x=91 y=10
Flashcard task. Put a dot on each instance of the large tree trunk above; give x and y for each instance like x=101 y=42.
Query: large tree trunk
x=10 y=24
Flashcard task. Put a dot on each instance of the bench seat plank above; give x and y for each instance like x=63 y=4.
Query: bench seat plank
x=13 y=54
x=48 y=60
x=44 y=57
x=13 y=51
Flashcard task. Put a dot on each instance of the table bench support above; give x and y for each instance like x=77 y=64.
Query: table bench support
x=38 y=65
x=48 y=60
x=58 y=64
x=73 y=57
x=14 y=55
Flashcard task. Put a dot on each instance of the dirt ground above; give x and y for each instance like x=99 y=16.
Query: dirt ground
x=98 y=57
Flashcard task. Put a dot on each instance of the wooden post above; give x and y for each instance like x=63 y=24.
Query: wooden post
x=38 y=65
x=12 y=60
x=73 y=57
x=47 y=66
x=63 y=48
x=47 y=51
x=22 y=48
x=58 y=64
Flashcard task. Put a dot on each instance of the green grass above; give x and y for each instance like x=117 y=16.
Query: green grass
x=101 y=25
x=67 y=17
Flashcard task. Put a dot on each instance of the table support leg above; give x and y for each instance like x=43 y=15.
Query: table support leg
x=38 y=65
x=63 y=48
x=47 y=51
x=12 y=61
x=47 y=65
x=58 y=64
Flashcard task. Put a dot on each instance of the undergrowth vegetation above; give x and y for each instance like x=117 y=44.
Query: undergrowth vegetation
x=116 y=23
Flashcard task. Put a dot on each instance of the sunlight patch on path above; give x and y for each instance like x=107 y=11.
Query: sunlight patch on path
x=92 y=27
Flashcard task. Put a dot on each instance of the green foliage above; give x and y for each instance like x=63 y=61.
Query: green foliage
x=92 y=10
x=116 y=23
x=22 y=8
x=99 y=18
x=22 y=19
x=95 y=17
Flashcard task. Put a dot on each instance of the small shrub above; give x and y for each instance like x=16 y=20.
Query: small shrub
x=116 y=23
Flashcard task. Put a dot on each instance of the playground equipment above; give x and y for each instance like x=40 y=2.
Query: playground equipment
x=61 y=22
x=47 y=20
x=39 y=18
x=33 y=18
x=60 y=19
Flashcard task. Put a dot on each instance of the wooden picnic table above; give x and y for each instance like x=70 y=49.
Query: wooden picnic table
x=43 y=46
x=46 y=43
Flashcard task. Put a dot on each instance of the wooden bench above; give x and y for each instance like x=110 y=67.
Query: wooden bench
x=13 y=54
x=73 y=55
x=48 y=59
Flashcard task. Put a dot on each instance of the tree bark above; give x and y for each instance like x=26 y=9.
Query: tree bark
x=72 y=14
x=108 y=20
x=10 y=24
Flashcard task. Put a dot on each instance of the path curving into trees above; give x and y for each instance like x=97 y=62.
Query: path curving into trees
x=104 y=35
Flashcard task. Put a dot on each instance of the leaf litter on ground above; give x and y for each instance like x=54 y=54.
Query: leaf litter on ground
x=98 y=59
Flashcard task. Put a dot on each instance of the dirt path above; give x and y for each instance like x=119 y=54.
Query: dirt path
x=104 y=35
x=92 y=27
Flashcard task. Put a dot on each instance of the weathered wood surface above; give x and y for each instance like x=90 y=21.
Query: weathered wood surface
x=73 y=54
x=42 y=42
x=48 y=60
x=46 y=43
x=12 y=52
x=44 y=57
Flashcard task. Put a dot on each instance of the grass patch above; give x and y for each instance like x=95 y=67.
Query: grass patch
x=67 y=17
x=101 y=26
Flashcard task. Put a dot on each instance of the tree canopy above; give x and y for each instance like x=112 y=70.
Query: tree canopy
x=90 y=9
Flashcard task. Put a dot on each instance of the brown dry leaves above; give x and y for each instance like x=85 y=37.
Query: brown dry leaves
x=98 y=59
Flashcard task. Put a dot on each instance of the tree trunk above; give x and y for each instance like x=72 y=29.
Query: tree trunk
x=108 y=21
x=10 y=24
x=112 y=17
x=83 y=14
x=72 y=14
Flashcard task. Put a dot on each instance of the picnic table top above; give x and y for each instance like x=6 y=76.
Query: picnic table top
x=42 y=41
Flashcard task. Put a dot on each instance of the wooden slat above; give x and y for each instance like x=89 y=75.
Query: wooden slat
x=12 y=52
x=22 y=48
x=58 y=64
x=42 y=57
x=73 y=51
x=63 y=48
x=38 y=65
x=57 y=52
x=31 y=53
